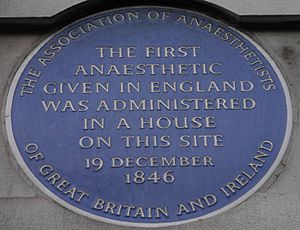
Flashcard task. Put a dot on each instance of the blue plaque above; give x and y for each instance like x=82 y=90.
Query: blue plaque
x=148 y=116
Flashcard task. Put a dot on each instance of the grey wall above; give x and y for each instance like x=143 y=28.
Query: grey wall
x=43 y=8
x=275 y=206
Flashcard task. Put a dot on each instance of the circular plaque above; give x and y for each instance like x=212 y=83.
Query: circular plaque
x=148 y=116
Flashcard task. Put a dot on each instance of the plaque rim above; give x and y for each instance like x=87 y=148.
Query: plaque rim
x=15 y=76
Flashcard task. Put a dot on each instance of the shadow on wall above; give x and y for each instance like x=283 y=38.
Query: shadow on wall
x=54 y=22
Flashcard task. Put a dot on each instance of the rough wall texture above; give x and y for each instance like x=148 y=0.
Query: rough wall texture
x=275 y=206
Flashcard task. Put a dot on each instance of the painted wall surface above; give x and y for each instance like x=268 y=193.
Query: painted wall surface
x=275 y=206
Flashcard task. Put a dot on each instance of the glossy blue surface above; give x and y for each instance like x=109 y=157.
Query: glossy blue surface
x=58 y=133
